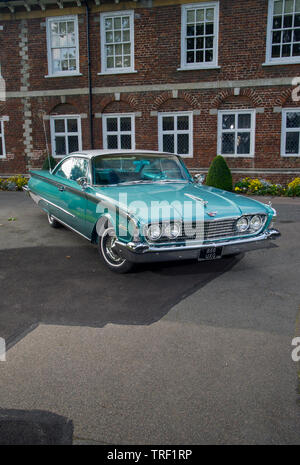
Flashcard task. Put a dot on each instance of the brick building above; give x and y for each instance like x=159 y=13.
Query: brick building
x=197 y=78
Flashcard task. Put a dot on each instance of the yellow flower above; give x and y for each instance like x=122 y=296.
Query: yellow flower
x=295 y=183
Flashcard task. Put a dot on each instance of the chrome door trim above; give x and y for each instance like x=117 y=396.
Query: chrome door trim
x=56 y=206
x=70 y=227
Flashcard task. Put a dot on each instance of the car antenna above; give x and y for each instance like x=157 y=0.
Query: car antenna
x=42 y=113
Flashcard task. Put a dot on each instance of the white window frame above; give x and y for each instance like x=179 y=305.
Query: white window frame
x=65 y=134
x=269 y=59
x=175 y=114
x=51 y=73
x=206 y=65
x=252 y=112
x=118 y=133
x=284 y=131
x=104 y=69
x=2 y=136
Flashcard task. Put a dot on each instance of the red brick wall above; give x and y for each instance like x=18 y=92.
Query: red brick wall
x=242 y=45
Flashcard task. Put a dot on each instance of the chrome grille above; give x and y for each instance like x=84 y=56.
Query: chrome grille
x=208 y=231
x=222 y=228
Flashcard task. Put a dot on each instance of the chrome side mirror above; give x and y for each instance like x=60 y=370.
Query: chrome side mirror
x=82 y=182
x=199 y=178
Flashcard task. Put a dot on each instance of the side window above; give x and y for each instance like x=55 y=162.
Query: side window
x=64 y=171
x=73 y=168
x=80 y=169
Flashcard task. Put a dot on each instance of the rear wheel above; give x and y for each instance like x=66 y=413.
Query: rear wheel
x=109 y=252
x=53 y=223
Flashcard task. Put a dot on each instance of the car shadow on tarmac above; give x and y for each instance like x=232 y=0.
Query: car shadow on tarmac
x=71 y=286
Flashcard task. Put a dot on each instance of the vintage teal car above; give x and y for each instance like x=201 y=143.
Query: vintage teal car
x=142 y=206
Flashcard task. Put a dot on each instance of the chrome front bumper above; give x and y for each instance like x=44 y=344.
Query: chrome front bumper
x=141 y=252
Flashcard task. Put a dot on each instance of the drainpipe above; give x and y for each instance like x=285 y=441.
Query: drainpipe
x=87 y=16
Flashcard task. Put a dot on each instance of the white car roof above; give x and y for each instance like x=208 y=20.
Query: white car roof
x=95 y=153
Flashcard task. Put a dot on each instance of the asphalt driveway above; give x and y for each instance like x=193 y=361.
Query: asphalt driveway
x=190 y=353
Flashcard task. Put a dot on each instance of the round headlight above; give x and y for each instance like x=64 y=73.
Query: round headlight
x=154 y=232
x=242 y=224
x=172 y=230
x=255 y=223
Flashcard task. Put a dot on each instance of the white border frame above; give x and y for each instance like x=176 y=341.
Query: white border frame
x=252 y=133
x=104 y=15
x=214 y=63
x=160 y=116
x=118 y=133
x=49 y=56
x=2 y=136
x=269 y=59
x=284 y=131
x=53 y=133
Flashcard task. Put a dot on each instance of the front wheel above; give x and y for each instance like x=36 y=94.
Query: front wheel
x=109 y=253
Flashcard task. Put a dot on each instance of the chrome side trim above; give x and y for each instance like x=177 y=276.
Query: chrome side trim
x=70 y=227
x=56 y=206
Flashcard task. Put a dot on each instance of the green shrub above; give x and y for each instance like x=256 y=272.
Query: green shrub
x=46 y=163
x=219 y=175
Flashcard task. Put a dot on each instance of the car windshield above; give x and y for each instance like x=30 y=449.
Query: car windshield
x=137 y=168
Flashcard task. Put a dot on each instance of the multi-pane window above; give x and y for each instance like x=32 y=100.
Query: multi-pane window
x=119 y=131
x=2 y=141
x=236 y=133
x=175 y=133
x=199 y=35
x=117 y=42
x=290 y=137
x=62 y=37
x=65 y=135
x=283 y=43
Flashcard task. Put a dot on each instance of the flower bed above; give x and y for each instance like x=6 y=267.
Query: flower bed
x=263 y=187
x=14 y=183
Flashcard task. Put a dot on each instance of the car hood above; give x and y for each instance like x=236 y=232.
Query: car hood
x=178 y=201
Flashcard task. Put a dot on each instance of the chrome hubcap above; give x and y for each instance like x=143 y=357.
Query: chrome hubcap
x=110 y=249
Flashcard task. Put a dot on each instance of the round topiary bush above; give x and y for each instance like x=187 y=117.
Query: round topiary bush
x=219 y=175
x=46 y=163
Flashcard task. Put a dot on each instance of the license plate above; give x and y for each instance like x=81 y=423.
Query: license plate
x=210 y=253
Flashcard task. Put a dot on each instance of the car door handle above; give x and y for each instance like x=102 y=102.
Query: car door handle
x=61 y=188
